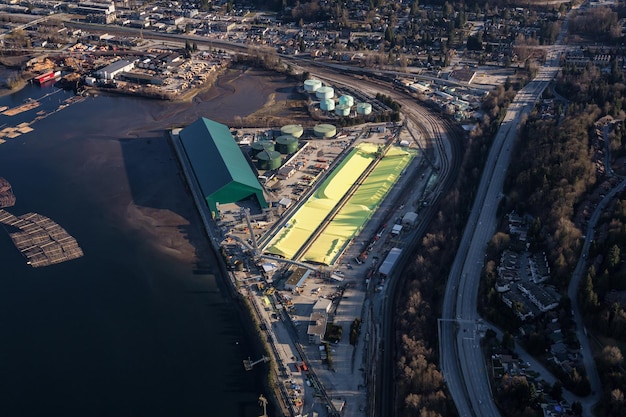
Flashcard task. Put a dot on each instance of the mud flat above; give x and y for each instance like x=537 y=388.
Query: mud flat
x=7 y=198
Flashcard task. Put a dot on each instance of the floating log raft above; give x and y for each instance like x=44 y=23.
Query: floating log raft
x=42 y=241
x=28 y=105
x=7 y=198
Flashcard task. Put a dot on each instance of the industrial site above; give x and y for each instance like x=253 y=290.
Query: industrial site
x=310 y=222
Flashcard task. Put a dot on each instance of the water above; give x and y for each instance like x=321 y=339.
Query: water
x=138 y=326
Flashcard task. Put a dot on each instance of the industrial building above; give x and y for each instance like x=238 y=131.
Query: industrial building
x=297 y=279
x=110 y=71
x=219 y=166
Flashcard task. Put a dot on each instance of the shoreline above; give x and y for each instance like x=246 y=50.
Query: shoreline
x=252 y=318
x=144 y=220
x=5 y=91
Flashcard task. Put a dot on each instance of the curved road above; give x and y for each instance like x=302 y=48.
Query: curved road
x=461 y=357
x=572 y=292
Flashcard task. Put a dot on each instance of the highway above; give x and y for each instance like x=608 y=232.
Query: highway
x=461 y=357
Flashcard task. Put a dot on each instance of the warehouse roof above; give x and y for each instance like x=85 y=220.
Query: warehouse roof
x=220 y=167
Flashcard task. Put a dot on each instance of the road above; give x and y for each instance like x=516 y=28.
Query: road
x=462 y=361
x=572 y=293
x=461 y=357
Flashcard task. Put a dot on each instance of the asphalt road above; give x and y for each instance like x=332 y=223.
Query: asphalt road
x=572 y=292
x=461 y=357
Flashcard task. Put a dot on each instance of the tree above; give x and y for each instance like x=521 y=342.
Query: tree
x=611 y=357
x=508 y=341
x=474 y=43
x=556 y=391
x=614 y=256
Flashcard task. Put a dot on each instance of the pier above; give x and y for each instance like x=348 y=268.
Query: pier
x=42 y=241
x=248 y=364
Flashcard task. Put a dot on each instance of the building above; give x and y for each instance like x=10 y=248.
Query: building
x=545 y=300
x=219 y=166
x=322 y=305
x=110 y=71
x=317 y=327
x=297 y=279
x=96 y=12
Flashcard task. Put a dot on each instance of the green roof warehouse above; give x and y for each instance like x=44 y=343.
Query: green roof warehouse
x=220 y=168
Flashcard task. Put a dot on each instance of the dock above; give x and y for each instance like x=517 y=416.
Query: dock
x=249 y=364
x=42 y=241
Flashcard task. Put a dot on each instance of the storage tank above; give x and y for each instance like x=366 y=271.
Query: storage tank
x=286 y=144
x=324 y=130
x=347 y=100
x=325 y=92
x=268 y=160
x=293 y=130
x=364 y=108
x=312 y=85
x=262 y=145
x=342 y=110
x=327 y=104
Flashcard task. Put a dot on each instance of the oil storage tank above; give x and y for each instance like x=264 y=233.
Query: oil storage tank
x=327 y=104
x=364 y=108
x=342 y=110
x=312 y=85
x=346 y=100
x=292 y=130
x=268 y=160
x=286 y=144
x=325 y=130
x=325 y=92
x=262 y=145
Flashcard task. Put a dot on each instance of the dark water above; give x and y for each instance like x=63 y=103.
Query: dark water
x=132 y=328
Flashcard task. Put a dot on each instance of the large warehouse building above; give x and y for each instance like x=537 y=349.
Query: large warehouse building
x=220 y=168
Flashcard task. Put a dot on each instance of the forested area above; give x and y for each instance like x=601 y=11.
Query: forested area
x=553 y=173
x=603 y=298
x=554 y=176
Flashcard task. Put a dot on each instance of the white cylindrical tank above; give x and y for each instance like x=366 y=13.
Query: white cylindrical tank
x=364 y=108
x=312 y=85
x=327 y=104
x=342 y=110
x=347 y=100
x=325 y=92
